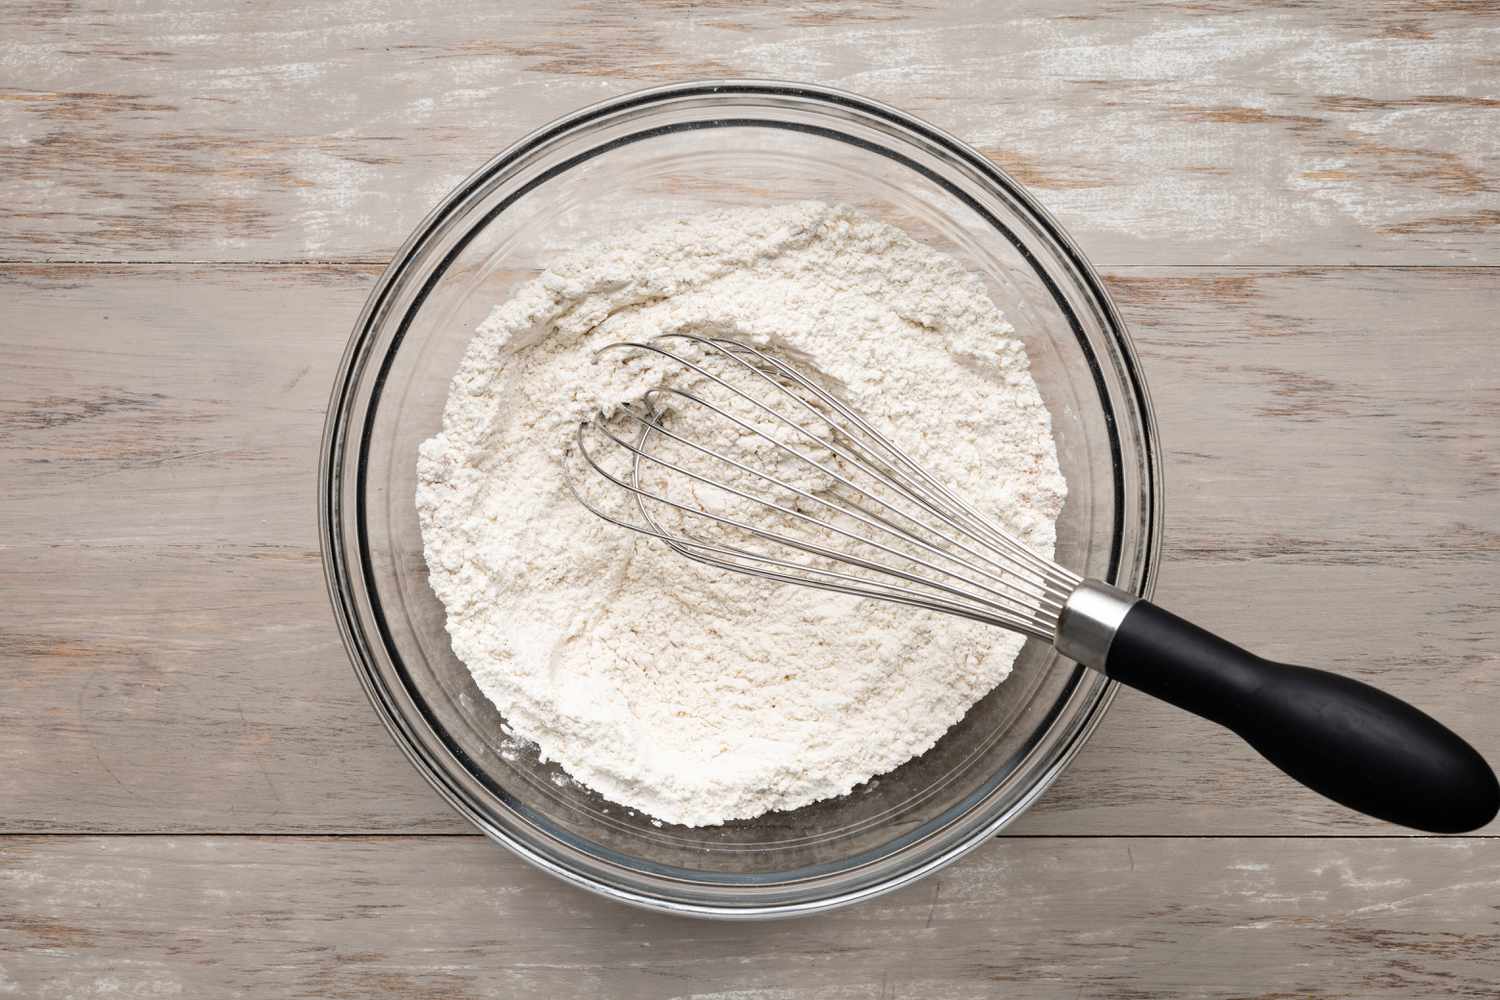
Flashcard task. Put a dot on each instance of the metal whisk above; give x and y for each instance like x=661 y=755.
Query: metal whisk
x=739 y=459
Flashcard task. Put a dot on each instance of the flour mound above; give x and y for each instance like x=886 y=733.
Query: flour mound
x=692 y=694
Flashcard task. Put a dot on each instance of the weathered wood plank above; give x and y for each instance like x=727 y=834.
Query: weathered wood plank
x=455 y=917
x=1170 y=133
x=1332 y=492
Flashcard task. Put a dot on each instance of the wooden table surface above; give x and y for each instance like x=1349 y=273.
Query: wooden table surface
x=1297 y=207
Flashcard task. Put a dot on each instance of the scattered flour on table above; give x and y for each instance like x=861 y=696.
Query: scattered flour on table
x=693 y=694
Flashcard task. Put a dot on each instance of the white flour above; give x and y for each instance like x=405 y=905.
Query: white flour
x=693 y=694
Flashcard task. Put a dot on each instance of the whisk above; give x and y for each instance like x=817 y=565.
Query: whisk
x=741 y=460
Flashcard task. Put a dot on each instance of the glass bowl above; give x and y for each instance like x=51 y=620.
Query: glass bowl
x=674 y=151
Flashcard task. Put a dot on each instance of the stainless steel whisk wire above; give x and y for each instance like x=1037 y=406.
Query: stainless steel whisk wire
x=1024 y=592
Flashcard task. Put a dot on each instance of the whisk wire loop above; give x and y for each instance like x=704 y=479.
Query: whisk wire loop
x=877 y=505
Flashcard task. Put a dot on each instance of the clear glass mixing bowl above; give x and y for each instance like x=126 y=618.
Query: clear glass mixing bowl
x=668 y=152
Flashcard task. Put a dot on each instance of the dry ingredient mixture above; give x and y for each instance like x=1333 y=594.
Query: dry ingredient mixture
x=690 y=693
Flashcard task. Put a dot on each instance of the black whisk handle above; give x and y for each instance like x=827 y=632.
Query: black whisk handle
x=1348 y=741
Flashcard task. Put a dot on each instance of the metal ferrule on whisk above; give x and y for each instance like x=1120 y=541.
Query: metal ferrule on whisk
x=1088 y=622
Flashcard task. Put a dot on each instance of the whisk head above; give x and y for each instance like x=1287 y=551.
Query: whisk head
x=741 y=460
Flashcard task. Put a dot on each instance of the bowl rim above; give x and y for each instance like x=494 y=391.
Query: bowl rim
x=352 y=364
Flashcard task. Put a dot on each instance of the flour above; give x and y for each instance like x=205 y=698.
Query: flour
x=689 y=693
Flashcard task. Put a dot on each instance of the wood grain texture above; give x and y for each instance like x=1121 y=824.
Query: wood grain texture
x=1229 y=132
x=1333 y=490
x=457 y=919
x=172 y=667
